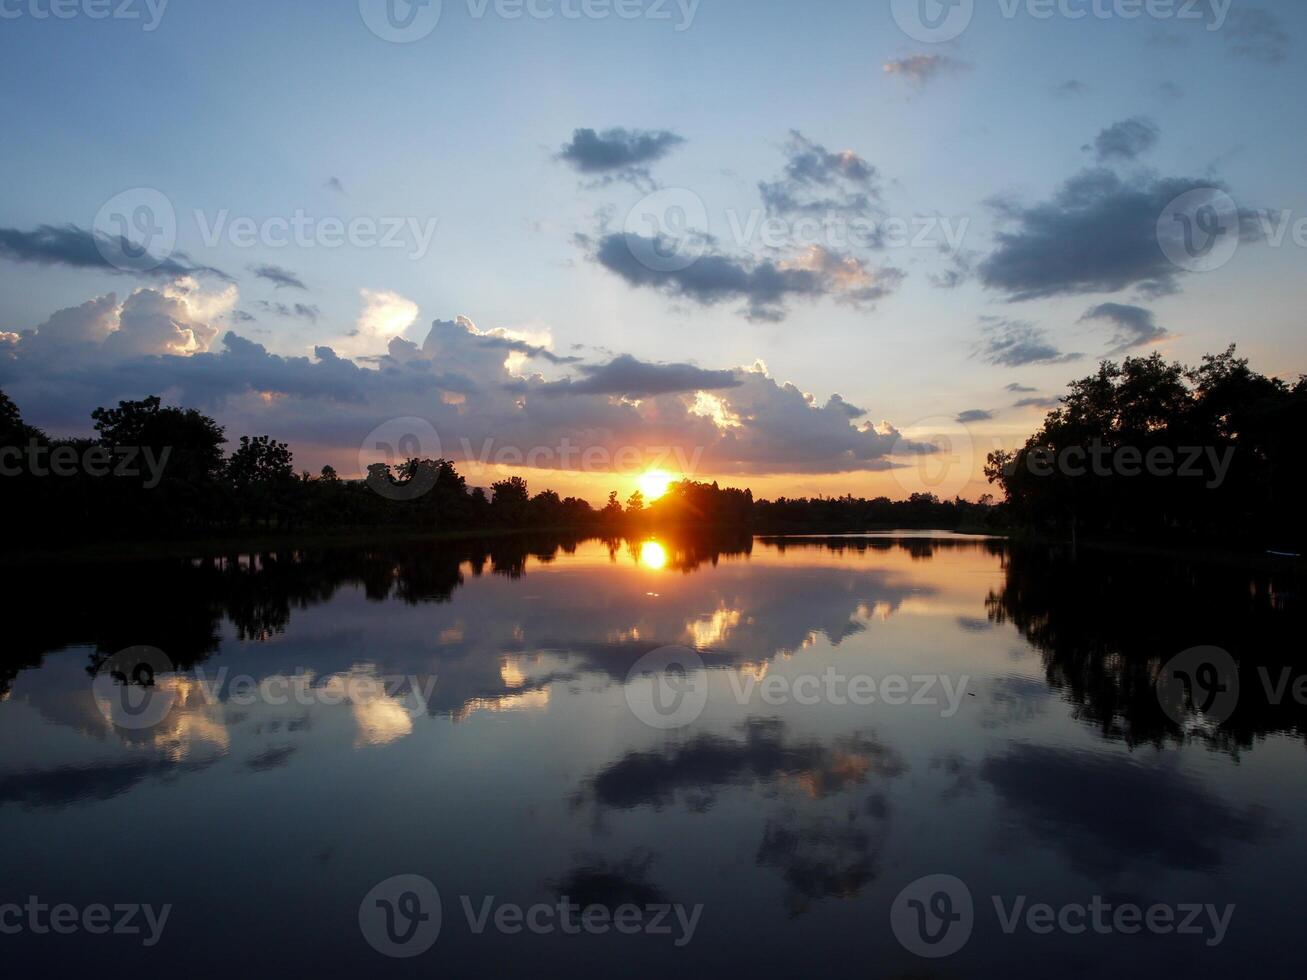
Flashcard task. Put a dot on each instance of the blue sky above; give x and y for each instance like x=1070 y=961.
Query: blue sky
x=249 y=110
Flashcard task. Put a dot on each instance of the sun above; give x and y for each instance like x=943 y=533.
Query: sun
x=654 y=484
x=653 y=555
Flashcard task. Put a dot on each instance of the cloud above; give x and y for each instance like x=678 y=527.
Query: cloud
x=1098 y=234
x=1015 y=343
x=1020 y=389
x=1255 y=34
x=975 y=415
x=1070 y=88
x=463 y=381
x=279 y=277
x=632 y=378
x=819 y=181
x=618 y=154
x=961 y=265
x=1037 y=403
x=103 y=333
x=764 y=286
x=385 y=316
x=303 y=311
x=80 y=249
x=922 y=68
x=1127 y=139
x=1136 y=326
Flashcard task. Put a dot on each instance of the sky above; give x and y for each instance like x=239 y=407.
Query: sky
x=818 y=247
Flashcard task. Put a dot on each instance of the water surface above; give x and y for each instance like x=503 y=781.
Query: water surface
x=507 y=750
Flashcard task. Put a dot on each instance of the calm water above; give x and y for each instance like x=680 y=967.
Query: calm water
x=823 y=723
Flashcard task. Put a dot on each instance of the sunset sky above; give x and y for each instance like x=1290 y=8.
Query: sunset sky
x=802 y=247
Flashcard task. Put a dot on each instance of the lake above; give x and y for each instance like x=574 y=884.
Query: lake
x=887 y=756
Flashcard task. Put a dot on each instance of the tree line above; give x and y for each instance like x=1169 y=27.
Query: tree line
x=1157 y=451
x=1142 y=450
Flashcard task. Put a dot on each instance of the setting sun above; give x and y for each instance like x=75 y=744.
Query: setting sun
x=655 y=483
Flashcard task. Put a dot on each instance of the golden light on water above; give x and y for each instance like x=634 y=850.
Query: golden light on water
x=653 y=555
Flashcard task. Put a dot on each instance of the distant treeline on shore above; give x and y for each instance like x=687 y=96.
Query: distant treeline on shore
x=1145 y=449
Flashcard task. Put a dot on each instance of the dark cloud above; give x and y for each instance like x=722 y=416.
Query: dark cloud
x=975 y=415
x=1014 y=343
x=279 y=277
x=1020 y=389
x=1136 y=326
x=819 y=181
x=1127 y=139
x=80 y=249
x=1070 y=88
x=620 y=154
x=302 y=311
x=764 y=286
x=493 y=341
x=922 y=68
x=1257 y=35
x=1097 y=235
x=633 y=378
x=764 y=756
x=460 y=379
x=271 y=758
x=1049 y=403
